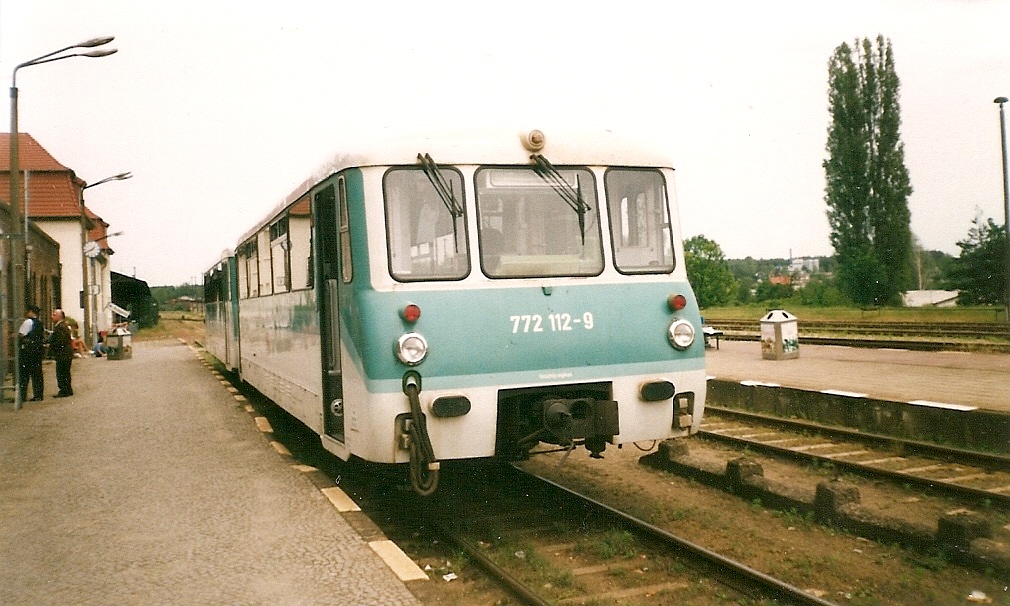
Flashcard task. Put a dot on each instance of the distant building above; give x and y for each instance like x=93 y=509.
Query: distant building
x=184 y=303
x=930 y=298
x=808 y=265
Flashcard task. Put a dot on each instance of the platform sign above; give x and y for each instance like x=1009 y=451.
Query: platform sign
x=119 y=310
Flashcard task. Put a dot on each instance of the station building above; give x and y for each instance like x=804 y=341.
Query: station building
x=67 y=250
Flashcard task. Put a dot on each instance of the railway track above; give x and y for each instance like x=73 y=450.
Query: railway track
x=542 y=543
x=974 y=476
x=550 y=545
x=547 y=545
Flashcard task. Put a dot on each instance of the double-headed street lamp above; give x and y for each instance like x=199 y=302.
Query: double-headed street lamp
x=91 y=251
x=20 y=233
x=1006 y=201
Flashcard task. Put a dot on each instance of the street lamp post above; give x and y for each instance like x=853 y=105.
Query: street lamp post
x=18 y=280
x=92 y=250
x=1006 y=201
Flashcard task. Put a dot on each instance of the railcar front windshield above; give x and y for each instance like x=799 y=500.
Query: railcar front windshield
x=535 y=225
x=640 y=229
x=426 y=232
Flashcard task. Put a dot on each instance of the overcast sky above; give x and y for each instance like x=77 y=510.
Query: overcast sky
x=219 y=108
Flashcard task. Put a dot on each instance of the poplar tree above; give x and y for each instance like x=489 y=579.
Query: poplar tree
x=867 y=183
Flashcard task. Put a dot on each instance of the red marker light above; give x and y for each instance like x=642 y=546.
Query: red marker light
x=676 y=302
x=411 y=313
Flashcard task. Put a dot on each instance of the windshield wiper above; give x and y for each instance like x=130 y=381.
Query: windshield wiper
x=444 y=190
x=571 y=195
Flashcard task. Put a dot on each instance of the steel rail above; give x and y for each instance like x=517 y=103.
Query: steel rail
x=976 y=494
x=517 y=587
x=915 y=446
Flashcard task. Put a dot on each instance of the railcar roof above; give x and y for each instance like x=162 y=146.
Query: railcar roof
x=225 y=255
x=601 y=148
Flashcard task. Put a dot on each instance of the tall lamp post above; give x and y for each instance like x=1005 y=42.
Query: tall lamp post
x=1006 y=201
x=20 y=234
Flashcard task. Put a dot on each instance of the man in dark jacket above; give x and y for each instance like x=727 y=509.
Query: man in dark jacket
x=61 y=348
x=32 y=350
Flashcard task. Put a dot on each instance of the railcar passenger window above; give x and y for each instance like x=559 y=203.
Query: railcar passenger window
x=266 y=271
x=346 y=267
x=249 y=273
x=639 y=221
x=280 y=259
x=300 y=253
x=533 y=227
x=426 y=236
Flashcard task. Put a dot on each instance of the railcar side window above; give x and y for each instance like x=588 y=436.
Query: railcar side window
x=266 y=271
x=531 y=226
x=280 y=259
x=426 y=236
x=248 y=276
x=639 y=221
x=300 y=253
x=346 y=267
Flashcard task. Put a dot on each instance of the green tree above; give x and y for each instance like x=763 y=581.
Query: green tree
x=867 y=182
x=821 y=291
x=979 y=273
x=767 y=291
x=708 y=272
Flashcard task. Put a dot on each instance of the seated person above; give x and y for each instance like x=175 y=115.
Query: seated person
x=99 y=349
x=76 y=342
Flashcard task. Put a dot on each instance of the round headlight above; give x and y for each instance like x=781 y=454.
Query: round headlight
x=411 y=348
x=681 y=334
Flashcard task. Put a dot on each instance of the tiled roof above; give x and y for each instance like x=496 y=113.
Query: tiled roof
x=99 y=230
x=53 y=189
x=31 y=155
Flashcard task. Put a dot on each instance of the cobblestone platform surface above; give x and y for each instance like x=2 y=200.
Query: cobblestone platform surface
x=970 y=379
x=152 y=486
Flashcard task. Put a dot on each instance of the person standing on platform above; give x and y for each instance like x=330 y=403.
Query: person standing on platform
x=31 y=353
x=61 y=348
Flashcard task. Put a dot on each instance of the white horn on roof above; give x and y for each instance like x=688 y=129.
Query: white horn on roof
x=534 y=140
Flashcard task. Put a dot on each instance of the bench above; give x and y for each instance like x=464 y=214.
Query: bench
x=711 y=333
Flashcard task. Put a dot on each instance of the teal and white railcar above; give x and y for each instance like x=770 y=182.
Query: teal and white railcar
x=220 y=294
x=428 y=300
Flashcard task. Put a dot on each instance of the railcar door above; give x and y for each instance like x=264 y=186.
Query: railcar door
x=330 y=205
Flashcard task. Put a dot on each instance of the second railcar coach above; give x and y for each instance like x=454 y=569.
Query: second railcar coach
x=427 y=300
x=220 y=296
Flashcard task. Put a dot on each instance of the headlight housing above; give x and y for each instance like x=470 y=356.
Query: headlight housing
x=411 y=348
x=681 y=334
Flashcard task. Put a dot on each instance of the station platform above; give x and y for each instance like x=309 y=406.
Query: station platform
x=153 y=485
x=968 y=379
